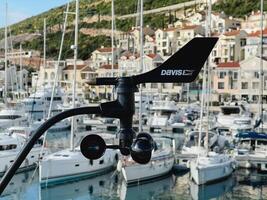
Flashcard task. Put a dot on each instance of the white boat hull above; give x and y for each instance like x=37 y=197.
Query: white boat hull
x=69 y=165
x=137 y=173
x=210 y=173
x=7 y=158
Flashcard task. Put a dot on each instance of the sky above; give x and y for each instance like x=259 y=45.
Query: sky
x=22 y=9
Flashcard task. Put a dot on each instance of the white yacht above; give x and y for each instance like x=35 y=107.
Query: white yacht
x=76 y=166
x=242 y=124
x=11 y=144
x=211 y=167
x=251 y=150
x=191 y=150
x=38 y=103
x=161 y=163
x=230 y=113
x=12 y=117
x=165 y=113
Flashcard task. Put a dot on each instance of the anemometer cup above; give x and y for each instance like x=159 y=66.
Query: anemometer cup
x=93 y=147
x=142 y=147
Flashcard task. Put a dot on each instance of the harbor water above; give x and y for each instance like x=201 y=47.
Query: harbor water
x=243 y=184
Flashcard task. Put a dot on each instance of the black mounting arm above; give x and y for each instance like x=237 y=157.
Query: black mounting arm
x=183 y=66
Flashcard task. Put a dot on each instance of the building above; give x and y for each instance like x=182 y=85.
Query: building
x=130 y=40
x=230 y=47
x=129 y=64
x=226 y=81
x=103 y=56
x=166 y=41
x=253 y=43
x=250 y=79
x=239 y=80
x=253 y=22
x=68 y=76
x=221 y=23
x=47 y=74
x=187 y=33
x=16 y=80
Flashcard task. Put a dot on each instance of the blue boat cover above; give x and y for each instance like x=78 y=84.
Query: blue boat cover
x=252 y=135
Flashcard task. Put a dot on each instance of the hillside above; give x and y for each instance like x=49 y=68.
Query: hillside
x=95 y=15
x=99 y=10
x=238 y=8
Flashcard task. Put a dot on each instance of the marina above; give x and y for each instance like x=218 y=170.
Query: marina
x=97 y=103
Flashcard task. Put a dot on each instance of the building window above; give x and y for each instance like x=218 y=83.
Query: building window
x=244 y=85
x=46 y=75
x=235 y=75
x=222 y=75
x=256 y=75
x=255 y=85
x=221 y=85
x=226 y=52
x=255 y=98
x=234 y=85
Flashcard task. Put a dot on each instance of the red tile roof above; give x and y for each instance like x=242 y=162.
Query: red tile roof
x=229 y=64
x=87 y=69
x=215 y=34
x=258 y=33
x=232 y=33
x=106 y=49
x=170 y=29
x=129 y=54
x=70 y=67
x=152 y=55
x=108 y=66
x=189 y=27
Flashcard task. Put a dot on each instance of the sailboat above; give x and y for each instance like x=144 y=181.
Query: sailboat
x=160 y=165
x=75 y=165
x=211 y=166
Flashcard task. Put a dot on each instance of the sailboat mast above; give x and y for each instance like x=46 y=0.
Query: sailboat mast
x=58 y=60
x=261 y=67
x=208 y=34
x=44 y=62
x=112 y=42
x=20 y=65
x=6 y=61
x=141 y=61
x=74 y=74
x=112 y=38
x=57 y=67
